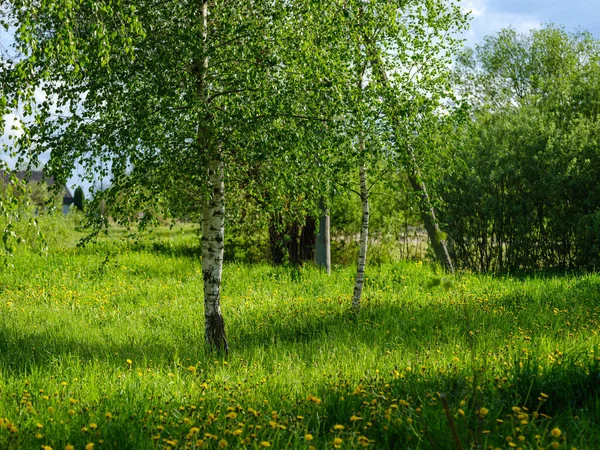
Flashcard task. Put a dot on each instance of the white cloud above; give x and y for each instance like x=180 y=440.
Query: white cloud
x=486 y=21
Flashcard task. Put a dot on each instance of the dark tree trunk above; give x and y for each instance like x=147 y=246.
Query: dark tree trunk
x=292 y=243
x=323 y=242
x=307 y=241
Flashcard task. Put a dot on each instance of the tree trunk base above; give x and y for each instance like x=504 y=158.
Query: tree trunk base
x=215 y=333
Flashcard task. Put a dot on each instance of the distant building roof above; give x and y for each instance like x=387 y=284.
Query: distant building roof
x=37 y=176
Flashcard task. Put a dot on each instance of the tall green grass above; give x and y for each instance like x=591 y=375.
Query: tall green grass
x=103 y=347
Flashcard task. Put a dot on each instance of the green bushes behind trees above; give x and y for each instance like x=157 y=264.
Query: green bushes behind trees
x=519 y=184
x=514 y=176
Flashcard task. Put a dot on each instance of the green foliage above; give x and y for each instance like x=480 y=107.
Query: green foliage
x=95 y=350
x=21 y=207
x=518 y=182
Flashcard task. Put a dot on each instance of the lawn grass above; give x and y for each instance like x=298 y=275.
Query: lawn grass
x=103 y=347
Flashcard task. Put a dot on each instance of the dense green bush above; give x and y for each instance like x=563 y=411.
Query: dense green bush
x=520 y=189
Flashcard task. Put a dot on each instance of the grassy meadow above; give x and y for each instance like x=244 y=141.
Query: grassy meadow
x=102 y=347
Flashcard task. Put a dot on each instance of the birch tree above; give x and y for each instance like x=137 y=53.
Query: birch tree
x=161 y=92
x=410 y=46
x=401 y=52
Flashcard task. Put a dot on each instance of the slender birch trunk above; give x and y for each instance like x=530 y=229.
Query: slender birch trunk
x=364 y=236
x=213 y=209
x=323 y=246
x=436 y=238
x=416 y=180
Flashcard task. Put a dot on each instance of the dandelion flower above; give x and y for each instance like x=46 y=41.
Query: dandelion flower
x=265 y=444
x=556 y=433
x=308 y=437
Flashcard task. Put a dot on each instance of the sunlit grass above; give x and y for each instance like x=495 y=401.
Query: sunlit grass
x=108 y=352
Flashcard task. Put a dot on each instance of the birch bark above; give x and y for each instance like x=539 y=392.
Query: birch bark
x=213 y=228
x=364 y=233
x=213 y=210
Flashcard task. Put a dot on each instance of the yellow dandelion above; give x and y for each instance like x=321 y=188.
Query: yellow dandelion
x=89 y=446
x=93 y=426
x=556 y=433
x=231 y=415
x=69 y=447
x=482 y=412
x=337 y=442
x=265 y=444
x=314 y=399
x=308 y=437
x=355 y=418
x=222 y=443
x=338 y=427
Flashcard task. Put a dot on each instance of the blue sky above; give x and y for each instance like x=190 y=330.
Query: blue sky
x=490 y=16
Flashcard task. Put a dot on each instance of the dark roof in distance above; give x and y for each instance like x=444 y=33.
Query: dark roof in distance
x=37 y=176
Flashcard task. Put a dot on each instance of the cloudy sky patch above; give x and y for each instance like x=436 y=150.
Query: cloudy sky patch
x=490 y=16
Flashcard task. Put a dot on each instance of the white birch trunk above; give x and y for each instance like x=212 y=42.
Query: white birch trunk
x=364 y=236
x=213 y=212
x=213 y=232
